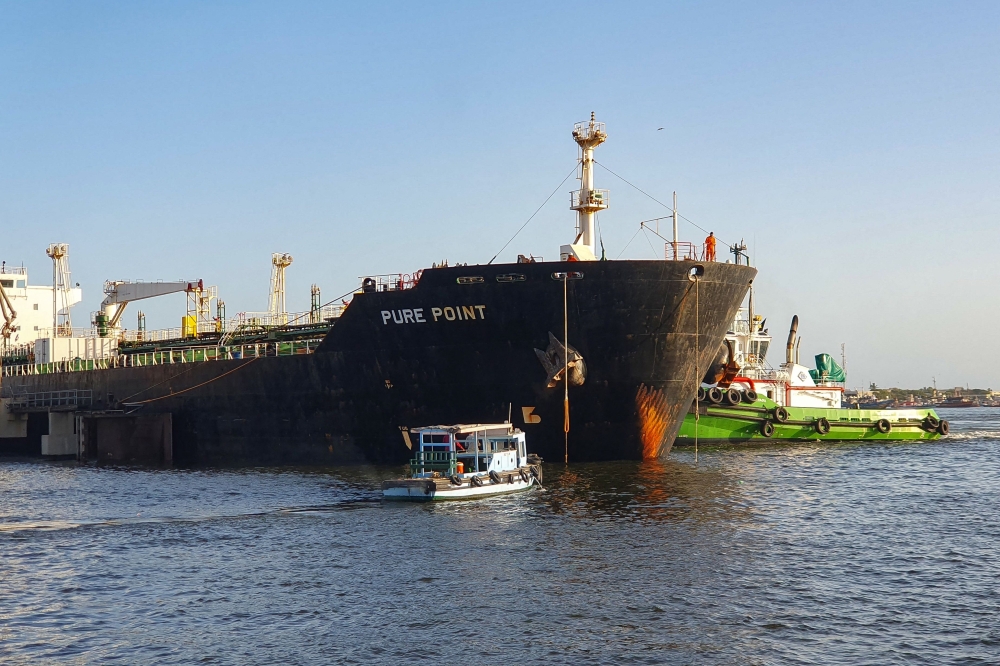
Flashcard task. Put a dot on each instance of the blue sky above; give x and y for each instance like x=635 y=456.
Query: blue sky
x=853 y=146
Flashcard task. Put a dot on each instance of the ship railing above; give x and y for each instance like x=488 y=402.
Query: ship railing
x=67 y=332
x=589 y=199
x=13 y=270
x=433 y=461
x=685 y=251
x=49 y=399
x=250 y=320
x=167 y=357
x=588 y=129
x=156 y=335
x=389 y=282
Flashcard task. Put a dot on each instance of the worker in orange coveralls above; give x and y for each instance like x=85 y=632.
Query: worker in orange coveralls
x=710 y=247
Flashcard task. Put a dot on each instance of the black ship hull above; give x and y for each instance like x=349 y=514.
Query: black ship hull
x=466 y=344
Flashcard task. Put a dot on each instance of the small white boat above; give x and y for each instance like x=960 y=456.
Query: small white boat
x=465 y=461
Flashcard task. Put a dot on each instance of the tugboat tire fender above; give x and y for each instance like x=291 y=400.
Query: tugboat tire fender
x=750 y=396
x=455 y=479
x=931 y=423
x=943 y=427
x=524 y=475
x=476 y=481
x=494 y=477
x=883 y=426
x=733 y=397
x=822 y=425
x=780 y=414
x=702 y=394
x=715 y=395
x=767 y=429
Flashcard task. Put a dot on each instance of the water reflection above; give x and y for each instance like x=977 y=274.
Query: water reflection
x=667 y=490
x=801 y=554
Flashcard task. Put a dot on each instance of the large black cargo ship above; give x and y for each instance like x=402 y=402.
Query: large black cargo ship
x=461 y=344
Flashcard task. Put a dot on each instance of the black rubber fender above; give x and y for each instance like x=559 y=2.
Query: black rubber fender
x=715 y=395
x=780 y=414
x=524 y=475
x=822 y=425
x=455 y=479
x=750 y=396
x=931 y=424
x=767 y=429
x=476 y=481
x=494 y=477
x=883 y=426
x=943 y=428
x=702 y=394
x=732 y=397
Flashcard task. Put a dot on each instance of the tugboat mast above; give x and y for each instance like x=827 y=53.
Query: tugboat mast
x=586 y=201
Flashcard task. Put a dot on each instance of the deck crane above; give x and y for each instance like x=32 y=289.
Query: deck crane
x=9 y=315
x=119 y=293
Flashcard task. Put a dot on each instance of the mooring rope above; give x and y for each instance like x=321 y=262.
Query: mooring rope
x=697 y=379
x=191 y=388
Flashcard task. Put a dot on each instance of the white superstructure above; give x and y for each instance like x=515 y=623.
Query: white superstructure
x=790 y=384
x=34 y=305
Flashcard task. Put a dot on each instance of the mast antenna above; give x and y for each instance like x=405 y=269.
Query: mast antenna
x=586 y=201
x=675 y=226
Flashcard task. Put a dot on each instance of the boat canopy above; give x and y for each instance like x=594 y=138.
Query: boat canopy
x=827 y=370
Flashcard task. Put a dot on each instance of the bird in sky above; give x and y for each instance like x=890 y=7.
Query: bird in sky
x=658 y=129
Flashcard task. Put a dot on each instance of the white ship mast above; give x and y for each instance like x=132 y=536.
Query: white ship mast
x=586 y=201
x=62 y=325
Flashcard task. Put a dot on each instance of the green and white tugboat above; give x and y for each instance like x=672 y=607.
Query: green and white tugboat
x=745 y=400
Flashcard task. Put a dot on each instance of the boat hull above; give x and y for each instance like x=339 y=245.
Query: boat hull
x=466 y=344
x=718 y=425
x=437 y=490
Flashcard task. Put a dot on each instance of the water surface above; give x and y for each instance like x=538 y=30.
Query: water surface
x=804 y=554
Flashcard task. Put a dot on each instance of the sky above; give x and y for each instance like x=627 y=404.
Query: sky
x=854 y=147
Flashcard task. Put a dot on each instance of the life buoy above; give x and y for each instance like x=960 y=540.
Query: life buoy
x=455 y=479
x=767 y=429
x=943 y=428
x=883 y=426
x=780 y=414
x=494 y=477
x=750 y=396
x=822 y=425
x=733 y=397
x=715 y=395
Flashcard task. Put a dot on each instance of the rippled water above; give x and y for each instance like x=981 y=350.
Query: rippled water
x=802 y=554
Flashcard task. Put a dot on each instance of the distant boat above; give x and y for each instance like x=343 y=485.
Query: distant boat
x=957 y=401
